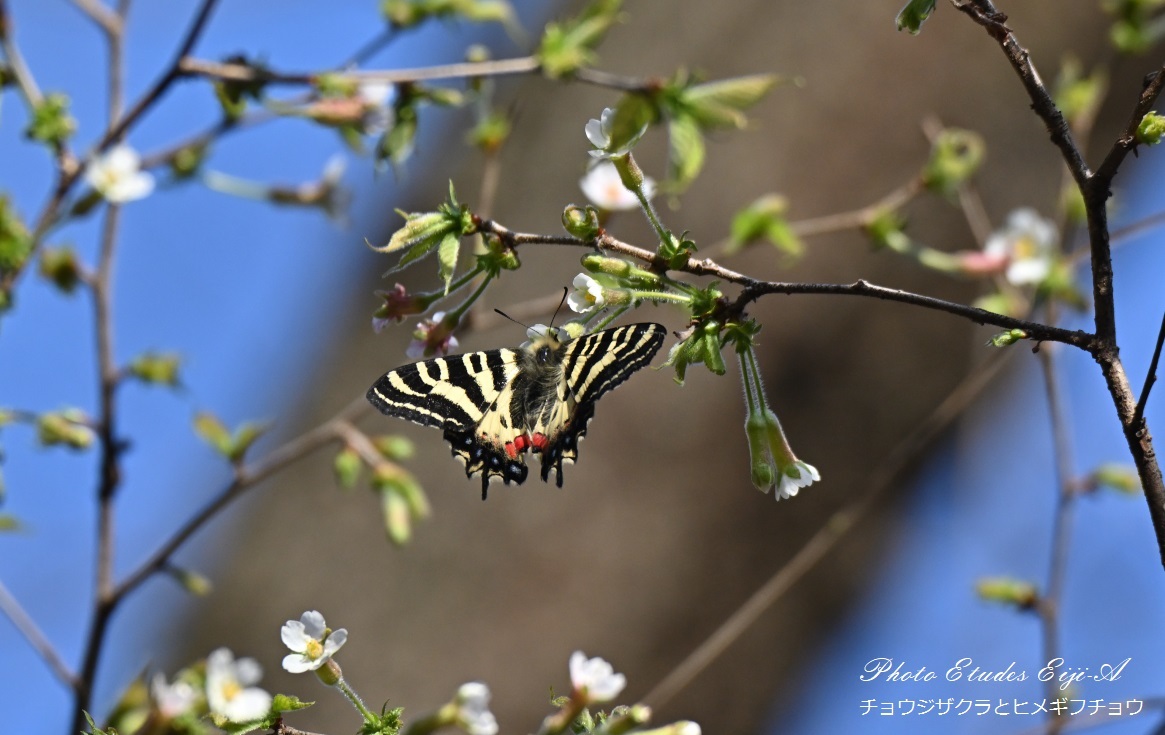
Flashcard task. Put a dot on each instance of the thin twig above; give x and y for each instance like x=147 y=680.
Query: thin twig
x=858 y=218
x=1048 y=606
x=463 y=70
x=25 y=82
x=106 y=19
x=830 y=533
x=1150 y=377
x=37 y=639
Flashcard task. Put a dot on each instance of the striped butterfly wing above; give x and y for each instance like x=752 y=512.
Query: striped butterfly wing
x=470 y=397
x=495 y=406
x=593 y=365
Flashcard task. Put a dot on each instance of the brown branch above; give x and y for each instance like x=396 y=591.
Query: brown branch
x=754 y=289
x=35 y=637
x=25 y=82
x=466 y=70
x=1127 y=141
x=995 y=23
x=828 y=536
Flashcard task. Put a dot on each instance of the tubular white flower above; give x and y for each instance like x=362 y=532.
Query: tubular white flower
x=1029 y=242
x=595 y=679
x=587 y=295
x=473 y=709
x=311 y=643
x=172 y=700
x=603 y=187
x=228 y=687
x=599 y=131
x=117 y=175
x=789 y=485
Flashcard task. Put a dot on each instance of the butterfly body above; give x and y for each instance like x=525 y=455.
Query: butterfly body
x=495 y=406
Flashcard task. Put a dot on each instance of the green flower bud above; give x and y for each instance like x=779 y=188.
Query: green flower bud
x=913 y=15
x=193 y=582
x=51 y=122
x=1009 y=591
x=885 y=231
x=1118 y=477
x=1151 y=128
x=624 y=270
x=394 y=447
x=61 y=267
x=15 y=243
x=581 y=222
x=1008 y=338
x=187 y=161
x=347 y=466
x=68 y=428
x=157 y=368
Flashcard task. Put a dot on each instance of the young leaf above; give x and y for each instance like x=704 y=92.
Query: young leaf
x=914 y=14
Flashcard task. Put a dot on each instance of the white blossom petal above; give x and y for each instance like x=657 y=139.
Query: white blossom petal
x=118 y=177
x=1029 y=243
x=297 y=663
x=293 y=636
x=603 y=187
x=595 y=134
x=789 y=485
x=172 y=700
x=595 y=678
x=248 y=705
x=314 y=624
x=227 y=691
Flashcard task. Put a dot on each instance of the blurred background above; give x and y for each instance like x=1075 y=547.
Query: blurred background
x=657 y=536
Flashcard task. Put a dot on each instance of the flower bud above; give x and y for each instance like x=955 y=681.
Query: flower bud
x=622 y=269
x=330 y=673
x=581 y=222
x=1151 y=128
x=1008 y=338
x=1008 y=590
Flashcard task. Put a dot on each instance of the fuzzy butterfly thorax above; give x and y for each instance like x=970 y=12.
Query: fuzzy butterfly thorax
x=495 y=406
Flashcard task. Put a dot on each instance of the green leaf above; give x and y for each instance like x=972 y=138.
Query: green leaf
x=1151 y=129
x=447 y=258
x=685 y=152
x=232 y=95
x=914 y=14
x=9 y=523
x=51 y=122
x=721 y=104
x=158 y=368
x=765 y=219
x=569 y=45
x=288 y=703
x=234 y=445
x=1118 y=477
x=396 y=145
x=93 y=729
x=634 y=113
x=955 y=156
x=212 y=431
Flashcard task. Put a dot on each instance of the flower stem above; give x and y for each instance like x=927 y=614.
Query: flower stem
x=454 y=316
x=661 y=296
x=649 y=211
x=358 y=703
x=606 y=321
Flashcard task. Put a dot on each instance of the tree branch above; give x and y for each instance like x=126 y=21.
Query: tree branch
x=37 y=639
x=466 y=70
x=754 y=289
x=1150 y=377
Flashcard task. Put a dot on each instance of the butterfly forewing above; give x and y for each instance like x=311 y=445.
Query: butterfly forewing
x=495 y=406
x=446 y=391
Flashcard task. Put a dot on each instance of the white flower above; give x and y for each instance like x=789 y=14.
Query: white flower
x=599 y=134
x=172 y=700
x=587 y=295
x=538 y=331
x=228 y=687
x=473 y=709
x=594 y=678
x=1029 y=242
x=311 y=643
x=603 y=187
x=599 y=131
x=687 y=727
x=117 y=175
x=794 y=477
x=378 y=98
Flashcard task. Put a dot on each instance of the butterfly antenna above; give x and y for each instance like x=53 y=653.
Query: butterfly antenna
x=515 y=321
x=565 y=291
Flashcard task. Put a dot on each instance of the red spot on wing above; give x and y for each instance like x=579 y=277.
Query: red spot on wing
x=540 y=442
x=511 y=450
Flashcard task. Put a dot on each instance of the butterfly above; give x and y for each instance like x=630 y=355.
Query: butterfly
x=496 y=405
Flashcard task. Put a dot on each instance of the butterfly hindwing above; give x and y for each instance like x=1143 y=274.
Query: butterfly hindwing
x=495 y=406
x=592 y=365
